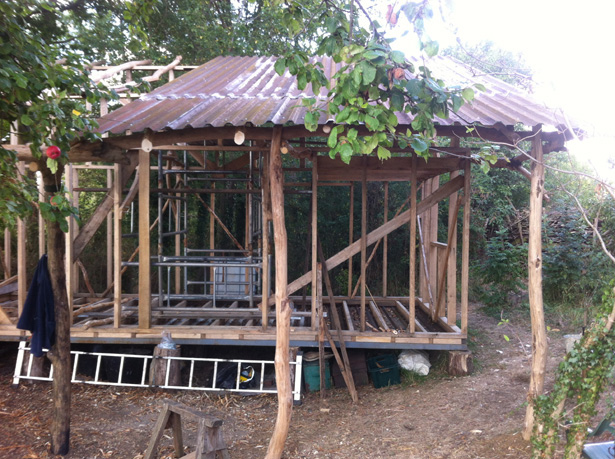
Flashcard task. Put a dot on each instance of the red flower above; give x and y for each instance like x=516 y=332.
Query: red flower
x=53 y=152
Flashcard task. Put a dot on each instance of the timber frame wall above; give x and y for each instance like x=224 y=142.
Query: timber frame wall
x=425 y=318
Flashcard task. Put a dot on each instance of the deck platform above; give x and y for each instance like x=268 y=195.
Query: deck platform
x=233 y=323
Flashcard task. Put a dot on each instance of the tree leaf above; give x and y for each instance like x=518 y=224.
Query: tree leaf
x=26 y=120
x=468 y=94
x=280 y=66
x=398 y=57
x=431 y=48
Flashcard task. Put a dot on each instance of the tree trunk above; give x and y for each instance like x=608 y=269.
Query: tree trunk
x=60 y=352
x=539 y=333
x=282 y=306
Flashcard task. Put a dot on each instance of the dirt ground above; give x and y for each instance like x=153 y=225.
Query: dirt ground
x=478 y=416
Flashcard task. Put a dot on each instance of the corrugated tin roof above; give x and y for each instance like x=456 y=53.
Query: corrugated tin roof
x=246 y=90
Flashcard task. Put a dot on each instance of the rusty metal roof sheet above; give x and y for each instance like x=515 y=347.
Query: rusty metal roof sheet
x=239 y=91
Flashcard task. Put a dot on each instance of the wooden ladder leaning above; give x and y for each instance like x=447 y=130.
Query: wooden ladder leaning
x=210 y=442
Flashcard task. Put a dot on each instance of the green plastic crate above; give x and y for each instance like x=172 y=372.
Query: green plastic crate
x=384 y=370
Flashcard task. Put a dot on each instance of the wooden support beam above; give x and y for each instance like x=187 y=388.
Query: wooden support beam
x=444 y=265
x=451 y=283
x=266 y=209
x=385 y=247
x=7 y=253
x=539 y=334
x=41 y=222
x=22 y=287
x=433 y=237
x=345 y=365
x=412 y=245
x=378 y=316
x=117 y=245
x=354 y=248
x=110 y=231
x=350 y=237
x=321 y=328
x=145 y=286
x=314 y=242
x=405 y=313
x=72 y=276
x=465 y=249
x=282 y=306
x=363 y=245
x=347 y=316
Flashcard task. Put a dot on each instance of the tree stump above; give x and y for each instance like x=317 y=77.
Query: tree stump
x=158 y=371
x=460 y=363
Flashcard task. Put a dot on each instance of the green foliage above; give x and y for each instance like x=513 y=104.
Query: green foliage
x=36 y=91
x=581 y=378
x=372 y=83
x=501 y=272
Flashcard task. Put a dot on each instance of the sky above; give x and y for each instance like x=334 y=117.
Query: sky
x=567 y=44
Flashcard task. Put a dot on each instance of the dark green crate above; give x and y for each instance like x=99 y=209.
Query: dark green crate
x=311 y=375
x=384 y=370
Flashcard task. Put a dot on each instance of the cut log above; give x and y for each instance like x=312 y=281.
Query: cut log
x=158 y=373
x=460 y=363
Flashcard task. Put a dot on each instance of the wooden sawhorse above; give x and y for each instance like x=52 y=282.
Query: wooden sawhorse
x=209 y=438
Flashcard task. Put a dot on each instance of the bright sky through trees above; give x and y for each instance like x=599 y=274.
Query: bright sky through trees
x=566 y=43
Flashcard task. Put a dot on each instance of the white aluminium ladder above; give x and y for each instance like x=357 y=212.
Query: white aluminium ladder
x=260 y=366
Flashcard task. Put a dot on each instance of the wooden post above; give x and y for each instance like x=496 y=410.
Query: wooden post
x=282 y=305
x=350 y=236
x=22 y=287
x=363 y=240
x=314 y=221
x=451 y=283
x=41 y=221
x=412 y=293
x=465 y=248
x=7 y=253
x=539 y=334
x=321 y=330
x=117 y=246
x=71 y=275
x=110 y=247
x=432 y=236
x=266 y=208
x=343 y=363
x=145 y=287
x=424 y=231
x=385 y=247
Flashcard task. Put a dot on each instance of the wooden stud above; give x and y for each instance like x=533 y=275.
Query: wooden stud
x=413 y=205
x=22 y=288
x=7 y=253
x=117 y=246
x=423 y=232
x=145 y=287
x=385 y=247
x=432 y=252
x=41 y=221
x=363 y=245
x=444 y=265
x=110 y=230
x=344 y=364
x=72 y=276
x=321 y=329
x=465 y=249
x=266 y=208
x=350 y=236
x=314 y=247
x=451 y=284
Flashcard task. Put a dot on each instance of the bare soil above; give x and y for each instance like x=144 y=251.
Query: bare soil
x=478 y=416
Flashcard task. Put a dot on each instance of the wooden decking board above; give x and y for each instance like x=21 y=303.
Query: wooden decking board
x=188 y=323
